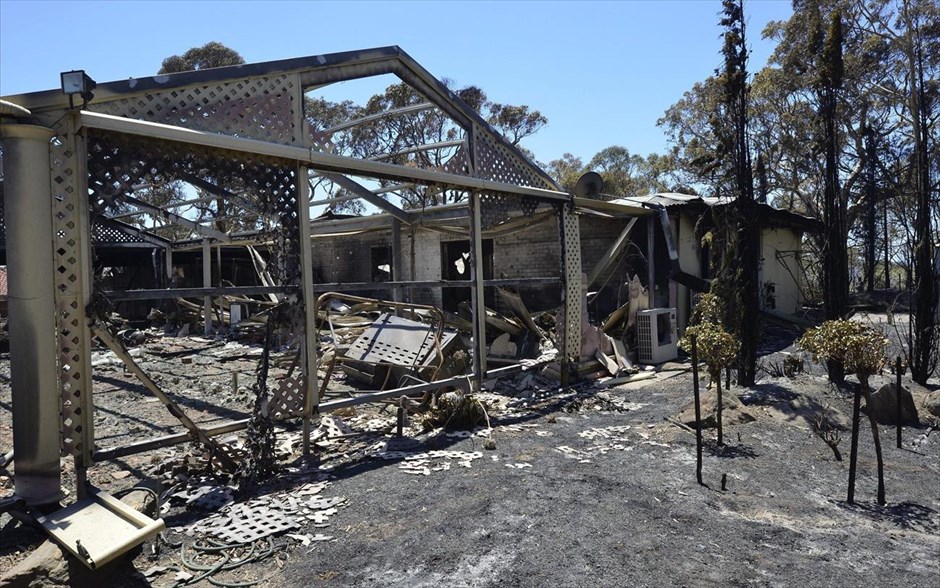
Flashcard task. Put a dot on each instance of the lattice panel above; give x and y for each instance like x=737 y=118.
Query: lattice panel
x=323 y=142
x=459 y=162
x=268 y=186
x=496 y=208
x=102 y=233
x=71 y=250
x=494 y=161
x=118 y=162
x=287 y=400
x=259 y=108
x=571 y=242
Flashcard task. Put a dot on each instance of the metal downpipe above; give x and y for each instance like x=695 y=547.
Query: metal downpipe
x=32 y=320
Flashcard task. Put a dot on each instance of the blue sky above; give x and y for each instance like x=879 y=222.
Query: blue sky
x=602 y=72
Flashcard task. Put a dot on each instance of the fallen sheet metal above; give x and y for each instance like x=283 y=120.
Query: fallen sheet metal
x=399 y=343
x=271 y=514
x=99 y=528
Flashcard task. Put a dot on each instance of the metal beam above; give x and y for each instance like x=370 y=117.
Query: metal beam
x=651 y=259
x=232 y=426
x=139 y=233
x=207 y=285
x=396 y=261
x=367 y=119
x=611 y=254
x=419 y=148
x=368 y=196
x=170 y=293
x=477 y=303
x=394 y=188
x=177 y=219
x=194 y=431
x=323 y=162
x=309 y=349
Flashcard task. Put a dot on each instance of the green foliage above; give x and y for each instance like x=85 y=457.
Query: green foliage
x=860 y=349
x=832 y=68
x=624 y=173
x=394 y=138
x=715 y=346
x=514 y=122
x=566 y=170
x=709 y=309
x=212 y=54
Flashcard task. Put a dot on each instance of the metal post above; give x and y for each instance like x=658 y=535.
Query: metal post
x=698 y=413
x=168 y=256
x=476 y=291
x=853 y=451
x=218 y=264
x=897 y=370
x=207 y=283
x=32 y=312
x=397 y=274
x=309 y=349
x=651 y=259
x=570 y=237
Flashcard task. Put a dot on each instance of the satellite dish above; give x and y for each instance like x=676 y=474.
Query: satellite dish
x=589 y=185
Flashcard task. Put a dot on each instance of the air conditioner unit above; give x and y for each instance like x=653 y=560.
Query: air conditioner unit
x=656 y=335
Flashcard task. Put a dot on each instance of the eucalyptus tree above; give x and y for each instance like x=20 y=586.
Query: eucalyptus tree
x=416 y=136
x=910 y=30
x=741 y=228
x=212 y=54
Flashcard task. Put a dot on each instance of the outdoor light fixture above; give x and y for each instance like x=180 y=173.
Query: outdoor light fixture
x=77 y=82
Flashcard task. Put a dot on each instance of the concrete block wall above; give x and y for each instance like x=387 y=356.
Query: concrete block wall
x=597 y=236
x=530 y=253
x=427 y=263
x=346 y=259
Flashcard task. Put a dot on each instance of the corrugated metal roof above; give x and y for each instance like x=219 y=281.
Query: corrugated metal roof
x=667 y=199
x=674 y=199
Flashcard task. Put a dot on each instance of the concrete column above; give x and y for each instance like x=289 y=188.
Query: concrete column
x=32 y=323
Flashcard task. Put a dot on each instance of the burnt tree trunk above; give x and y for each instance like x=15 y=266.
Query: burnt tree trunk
x=925 y=340
x=835 y=254
x=745 y=307
x=887 y=245
x=871 y=228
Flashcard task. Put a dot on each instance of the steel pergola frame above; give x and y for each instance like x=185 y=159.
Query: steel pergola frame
x=123 y=108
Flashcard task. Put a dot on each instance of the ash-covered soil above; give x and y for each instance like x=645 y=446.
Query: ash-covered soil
x=585 y=487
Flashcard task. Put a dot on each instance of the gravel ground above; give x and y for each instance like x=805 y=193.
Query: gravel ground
x=593 y=488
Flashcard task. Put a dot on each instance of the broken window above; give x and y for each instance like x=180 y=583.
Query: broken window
x=381 y=260
x=455 y=265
